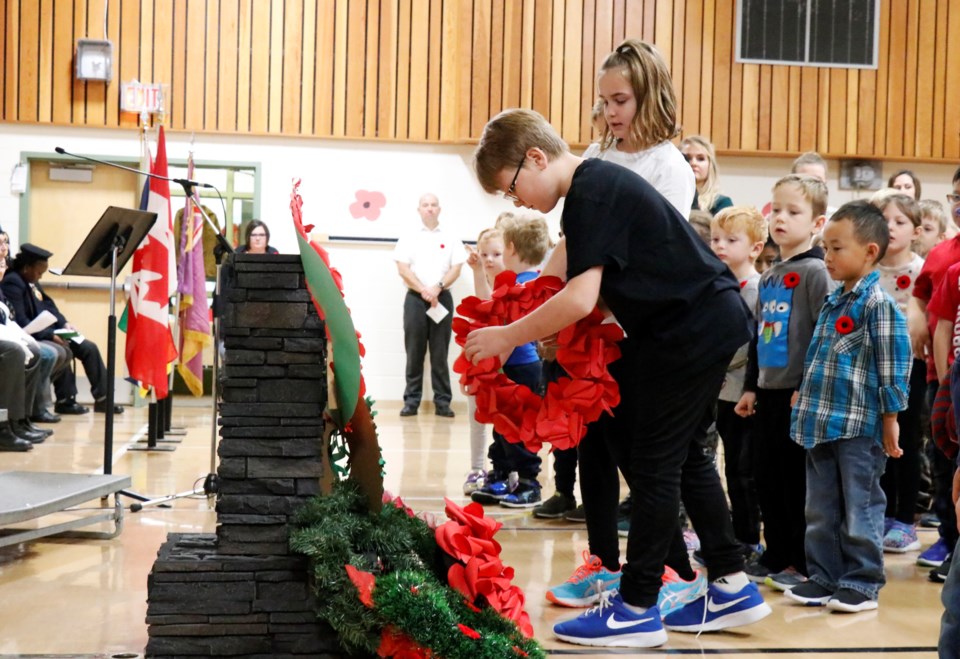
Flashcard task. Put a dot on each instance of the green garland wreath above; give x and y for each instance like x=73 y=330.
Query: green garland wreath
x=410 y=595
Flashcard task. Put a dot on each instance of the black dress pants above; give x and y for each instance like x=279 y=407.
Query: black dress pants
x=419 y=333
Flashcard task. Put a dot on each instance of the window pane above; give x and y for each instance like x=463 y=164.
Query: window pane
x=842 y=32
x=243 y=180
x=773 y=29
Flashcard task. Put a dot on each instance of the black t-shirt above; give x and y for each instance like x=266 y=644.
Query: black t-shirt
x=674 y=298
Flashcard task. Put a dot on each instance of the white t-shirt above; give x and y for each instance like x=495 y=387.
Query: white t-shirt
x=663 y=167
x=430 y=253
x=899 y=281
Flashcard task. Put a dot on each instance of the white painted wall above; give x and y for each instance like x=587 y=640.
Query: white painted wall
x=332 y=171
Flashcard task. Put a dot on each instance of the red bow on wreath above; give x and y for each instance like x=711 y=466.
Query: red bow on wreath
x=584 y=349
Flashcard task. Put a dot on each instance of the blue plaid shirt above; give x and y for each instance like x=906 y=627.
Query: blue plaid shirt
x=853 y=374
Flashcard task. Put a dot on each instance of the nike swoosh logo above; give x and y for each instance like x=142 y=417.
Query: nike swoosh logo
x=714 y=608
x=613 y=623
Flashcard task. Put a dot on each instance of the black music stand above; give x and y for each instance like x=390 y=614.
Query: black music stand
x=104 y=252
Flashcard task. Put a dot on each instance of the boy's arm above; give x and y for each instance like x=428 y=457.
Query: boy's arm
x=891 y=436
x=941 y=348
x=577 y=299
x=917 y=324
x=556 y=265
x=892 y=354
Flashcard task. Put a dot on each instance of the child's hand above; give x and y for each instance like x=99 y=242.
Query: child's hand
x=747 y=404
x=547 y=348
x=487 y=342
x=891 y=436
x=473 y=259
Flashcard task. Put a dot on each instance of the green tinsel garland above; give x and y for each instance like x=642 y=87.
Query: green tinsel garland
x=410 y=593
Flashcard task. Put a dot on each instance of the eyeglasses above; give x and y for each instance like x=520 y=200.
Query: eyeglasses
x=953 y=198
x=509 y=194
x=258 y=235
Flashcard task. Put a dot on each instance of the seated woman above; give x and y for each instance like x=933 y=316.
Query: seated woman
x=699 y=152
x=256 y=239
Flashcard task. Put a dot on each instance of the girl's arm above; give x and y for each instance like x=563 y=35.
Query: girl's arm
x=941 y=348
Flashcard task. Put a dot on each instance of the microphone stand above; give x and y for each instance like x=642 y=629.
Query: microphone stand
x=211 y=483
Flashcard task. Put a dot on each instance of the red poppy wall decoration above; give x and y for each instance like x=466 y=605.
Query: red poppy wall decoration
x=903 y=282
x=584 y=350
x=368 y=205
x=791 y=279
x=844 y=324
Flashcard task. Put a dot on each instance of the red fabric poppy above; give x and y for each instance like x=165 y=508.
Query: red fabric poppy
x=367 y=205
x=585 y=350
x=844 y=324
x=903 y=282
x=791 y=279
x=364 y=581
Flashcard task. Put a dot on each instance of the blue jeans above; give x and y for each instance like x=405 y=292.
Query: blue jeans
x=844 y=511
x=949 y=646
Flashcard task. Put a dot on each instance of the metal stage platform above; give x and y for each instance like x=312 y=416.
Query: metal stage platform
x=28 y=495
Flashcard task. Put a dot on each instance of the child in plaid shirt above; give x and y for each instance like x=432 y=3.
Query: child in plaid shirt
x=855 y=381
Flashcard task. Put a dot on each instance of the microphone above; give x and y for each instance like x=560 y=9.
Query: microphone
x=186 y=183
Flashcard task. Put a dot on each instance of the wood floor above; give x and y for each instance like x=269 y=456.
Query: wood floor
x=61 y=597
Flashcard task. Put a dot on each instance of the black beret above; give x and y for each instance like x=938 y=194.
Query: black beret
x=32 y=253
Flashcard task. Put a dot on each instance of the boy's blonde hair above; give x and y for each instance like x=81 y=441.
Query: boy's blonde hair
x=645 y=69
x=933 y=210
x=906 y=204
x=742 y=218
x=881 y=195
x=707 y=193
x=700 y=221
x=507 y=138
x=808 y=158
x=814 y=191
x=530 y=236
x=490 y=233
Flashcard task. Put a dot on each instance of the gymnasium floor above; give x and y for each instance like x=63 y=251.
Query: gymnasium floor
x=71 y=598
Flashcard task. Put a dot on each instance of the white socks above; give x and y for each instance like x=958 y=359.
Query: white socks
x=732 y=583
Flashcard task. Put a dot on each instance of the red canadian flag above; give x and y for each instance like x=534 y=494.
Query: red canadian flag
x=150 y=346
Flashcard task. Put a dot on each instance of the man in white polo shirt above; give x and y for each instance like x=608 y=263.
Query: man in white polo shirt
x=428 y=261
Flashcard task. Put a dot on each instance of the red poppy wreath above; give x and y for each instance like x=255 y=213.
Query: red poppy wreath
x=584 y=350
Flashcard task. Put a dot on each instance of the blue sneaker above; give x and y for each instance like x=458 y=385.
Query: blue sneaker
x=935 y=554
x=675 y=593
x=585 y=586
x=611 y=623
x=719 y=610
x=496 y=489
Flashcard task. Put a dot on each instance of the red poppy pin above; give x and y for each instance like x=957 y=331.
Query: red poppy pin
x=844 y=324
x=903 y=281
x=791 y=279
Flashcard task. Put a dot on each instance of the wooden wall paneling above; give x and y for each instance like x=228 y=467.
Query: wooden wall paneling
x=708 y=43
x=720 y=98
x=62 y=81
x=527 y=71
x=951 y=119
x=402 y=121
x=603 y=45
x=437 y=70
x=853 y=104
x=736 y=106
x=649 y=20
x=836 y=112
x=573 y=55
x=588 y=50
x=8 y=62
x=780 y=102
x=633 y=18
x=275 y=85
x=688 y=87
x=939 y=80
x=45 y=63
x=177 y=68
x=663 y=30
x=750 y=113
x=497 y=58
x=883 y=74
x=543 y=67
x=28 y=60
x=128 y=49
x=512 y=52
x=866 y=111
x=910 y=82
x=96 y=91
x=419 y=50
x=620 y=21
x=244 y=63
x=79 y=114
x=112 y=102
x=896 y=77
x=308 y=76
x=145 y=47
x=823 y=111
x=793 y=109
x=324 y=68
x=227 y=66
x=555 y=115
x=480 y=69
x=763 y=107
x=259 y=66
x=213 y=51
x=191 y=114
x=372 y=65
x=809 y=108
x=293 y=91
x=675 y=54
x=387 y=81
